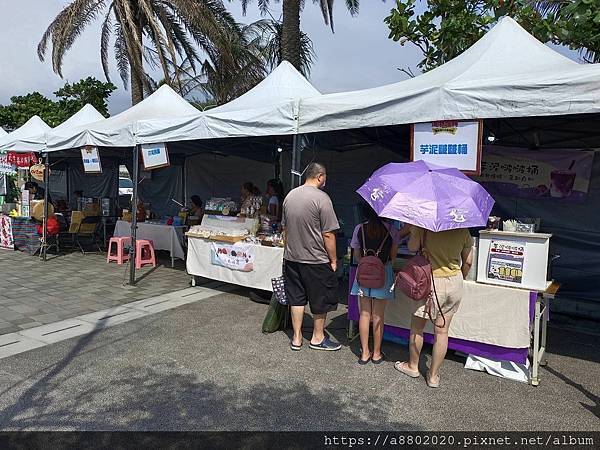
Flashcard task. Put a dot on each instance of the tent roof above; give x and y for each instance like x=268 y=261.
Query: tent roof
x=507 y=73
x=37 y=142
x=86 y=115
x=26 y=137
x=118 y=130
x=2 y=132
x=269 y=108
x=284 y=84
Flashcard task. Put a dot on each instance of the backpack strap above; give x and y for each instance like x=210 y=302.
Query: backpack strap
x=364 y=242
x=382 y=243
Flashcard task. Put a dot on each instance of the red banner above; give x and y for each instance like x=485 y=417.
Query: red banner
x=21 y=159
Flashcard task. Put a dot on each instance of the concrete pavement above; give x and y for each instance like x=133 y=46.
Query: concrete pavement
x=206 y=366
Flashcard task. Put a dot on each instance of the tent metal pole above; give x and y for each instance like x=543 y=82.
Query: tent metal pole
x=46 y=208
x=294 y=161
x=134 y=201
x=184 y=179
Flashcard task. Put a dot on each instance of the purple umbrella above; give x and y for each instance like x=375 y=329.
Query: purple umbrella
x=432 y=197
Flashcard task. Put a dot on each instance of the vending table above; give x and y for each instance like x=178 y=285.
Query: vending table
x=249 y=265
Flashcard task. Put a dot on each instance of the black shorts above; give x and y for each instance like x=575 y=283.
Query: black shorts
x=315 y=284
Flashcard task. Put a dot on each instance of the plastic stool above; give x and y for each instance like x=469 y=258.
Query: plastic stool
x=144 y=253
x=120 y=256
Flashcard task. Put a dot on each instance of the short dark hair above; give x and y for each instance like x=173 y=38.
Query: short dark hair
x=314 y=169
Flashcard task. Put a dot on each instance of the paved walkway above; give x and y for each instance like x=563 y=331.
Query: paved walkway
x=34 y=293
x=207 y=366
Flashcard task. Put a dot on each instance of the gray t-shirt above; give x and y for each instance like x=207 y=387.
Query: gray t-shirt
x=307 y=214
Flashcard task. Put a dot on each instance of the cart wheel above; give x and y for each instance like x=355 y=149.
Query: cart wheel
x=535 y=382
x=193 y=282
x=544 y=363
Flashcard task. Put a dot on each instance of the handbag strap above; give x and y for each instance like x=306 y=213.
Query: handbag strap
x=433 y=293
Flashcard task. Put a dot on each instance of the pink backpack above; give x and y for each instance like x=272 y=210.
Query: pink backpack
x=371 y=270
x=415 y=278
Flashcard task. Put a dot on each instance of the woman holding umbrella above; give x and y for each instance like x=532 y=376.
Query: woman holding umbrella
x=450 y=255
x=441 y=204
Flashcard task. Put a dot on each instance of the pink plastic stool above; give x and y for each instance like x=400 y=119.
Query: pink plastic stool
x=120 y=256
x=144 y=253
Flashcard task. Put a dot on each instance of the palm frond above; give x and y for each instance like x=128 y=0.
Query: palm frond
x=549 y=6
x=104 y=41
x=66 y=27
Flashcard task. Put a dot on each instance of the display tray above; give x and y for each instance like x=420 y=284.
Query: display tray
x=230 y=239
x=220 y=213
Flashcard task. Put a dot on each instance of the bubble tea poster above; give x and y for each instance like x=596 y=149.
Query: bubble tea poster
x=556 y=174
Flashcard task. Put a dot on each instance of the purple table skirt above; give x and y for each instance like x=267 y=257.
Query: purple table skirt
x=517 y=355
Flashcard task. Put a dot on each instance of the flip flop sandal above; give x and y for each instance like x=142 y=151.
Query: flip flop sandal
x=432 y=384
x=295 y=347
x=380 y=360
x=401 y=366
x=362 y=362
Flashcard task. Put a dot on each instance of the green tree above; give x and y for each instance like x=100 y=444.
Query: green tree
x=449 y=27
x=71 y=98
x=23 y=107
x=575 y=23
x=291 y=40
x=154 y=31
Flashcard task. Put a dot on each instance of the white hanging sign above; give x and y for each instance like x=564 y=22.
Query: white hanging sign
x=91 y=159
x=448 y=143
x=155 y=156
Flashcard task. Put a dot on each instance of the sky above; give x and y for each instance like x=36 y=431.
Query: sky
x=358 y=55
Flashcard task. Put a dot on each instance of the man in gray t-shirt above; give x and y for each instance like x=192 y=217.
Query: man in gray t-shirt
x=310 y=259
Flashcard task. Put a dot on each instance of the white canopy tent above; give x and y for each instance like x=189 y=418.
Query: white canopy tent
x=2 y=132
x=118 y=130
x=506 y=74
x=27 y=138
x=268 y=109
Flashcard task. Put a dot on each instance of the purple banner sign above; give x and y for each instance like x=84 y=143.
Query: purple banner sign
x=559 y=175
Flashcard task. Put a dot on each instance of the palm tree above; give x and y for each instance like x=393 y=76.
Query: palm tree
x=291 y=36
x=219 y=82
x=170 y=27
x=562 y=12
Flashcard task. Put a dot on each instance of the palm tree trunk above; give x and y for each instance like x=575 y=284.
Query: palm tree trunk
x=137 y=82
x=290 y=33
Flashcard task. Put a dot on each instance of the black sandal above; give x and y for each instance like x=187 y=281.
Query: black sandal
x=362 y=362
x=380 y=360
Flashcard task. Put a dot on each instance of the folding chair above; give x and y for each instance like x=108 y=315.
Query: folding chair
x=87 y=229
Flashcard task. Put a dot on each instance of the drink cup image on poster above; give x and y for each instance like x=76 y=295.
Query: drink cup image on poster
x=91 y=159
x=155 y=156
x=448 y=143
x=505 y=261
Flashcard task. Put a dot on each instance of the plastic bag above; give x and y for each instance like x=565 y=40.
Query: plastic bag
x=275 y=316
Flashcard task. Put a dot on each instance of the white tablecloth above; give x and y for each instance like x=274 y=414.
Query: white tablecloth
x=268 y=262
x=164 y=237
x=489 y=314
